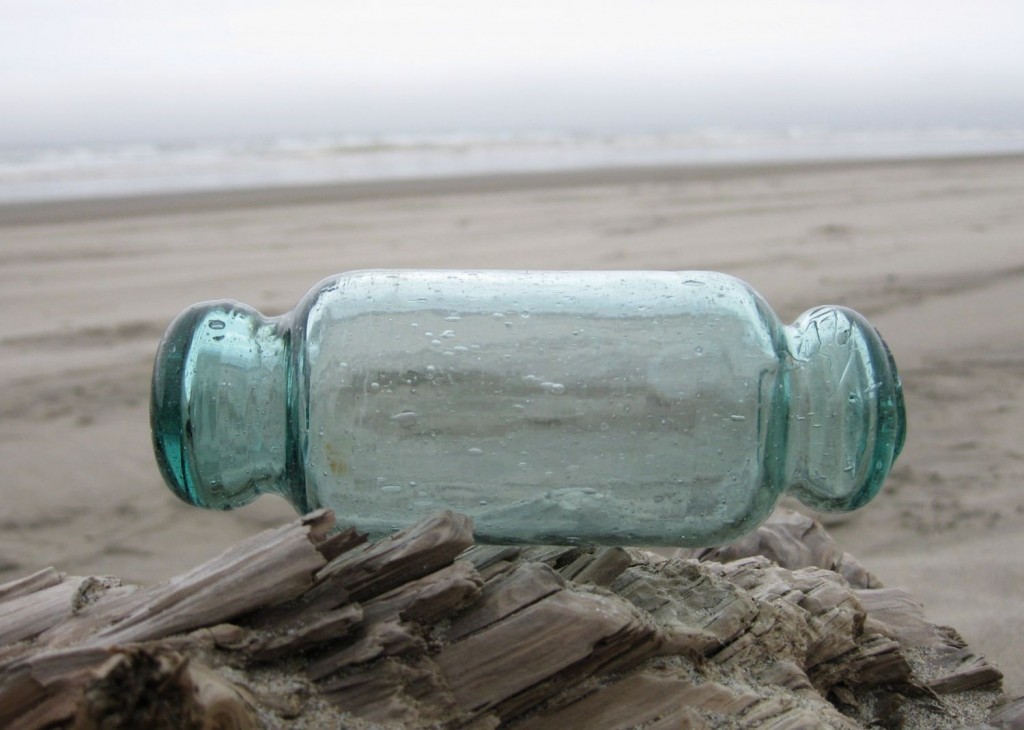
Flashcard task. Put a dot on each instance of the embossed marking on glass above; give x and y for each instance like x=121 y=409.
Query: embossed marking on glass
x=646 y=408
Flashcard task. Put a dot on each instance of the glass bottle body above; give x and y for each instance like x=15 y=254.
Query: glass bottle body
x=552 y=407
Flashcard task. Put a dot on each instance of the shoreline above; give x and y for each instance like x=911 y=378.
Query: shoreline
x=80 y=210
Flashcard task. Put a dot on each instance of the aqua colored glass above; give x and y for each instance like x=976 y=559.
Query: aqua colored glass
x=645 y=408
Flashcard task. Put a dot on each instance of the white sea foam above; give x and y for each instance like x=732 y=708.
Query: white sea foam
x=140 y=169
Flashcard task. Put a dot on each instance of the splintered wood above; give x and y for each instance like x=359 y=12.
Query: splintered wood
x=297 y=627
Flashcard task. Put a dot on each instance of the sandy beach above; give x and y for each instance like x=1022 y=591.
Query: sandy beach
x=932 y=251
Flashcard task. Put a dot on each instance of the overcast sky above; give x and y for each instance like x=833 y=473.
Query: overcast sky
x=127 y=70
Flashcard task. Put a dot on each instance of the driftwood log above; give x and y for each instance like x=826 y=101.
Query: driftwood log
x=304 y=627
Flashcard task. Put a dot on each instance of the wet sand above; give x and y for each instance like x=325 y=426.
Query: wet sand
x=931 y=251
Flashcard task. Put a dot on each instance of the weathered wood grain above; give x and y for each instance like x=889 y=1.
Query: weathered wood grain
x=31 y=613
x=29 y=584
x=299 y=627
x=407 y=555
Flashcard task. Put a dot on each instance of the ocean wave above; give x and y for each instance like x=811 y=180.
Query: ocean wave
x=103 y=170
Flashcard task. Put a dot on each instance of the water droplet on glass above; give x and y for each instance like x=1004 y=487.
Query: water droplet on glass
x=217 y=324
x=736 y=417
x=391 y=488
x=553 y=388
x=374 y=387
x=475 y=451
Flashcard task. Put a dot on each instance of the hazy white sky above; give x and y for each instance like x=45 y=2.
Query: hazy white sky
x=110 y=70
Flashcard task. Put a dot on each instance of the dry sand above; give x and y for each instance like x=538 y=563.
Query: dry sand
x=931 y=251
